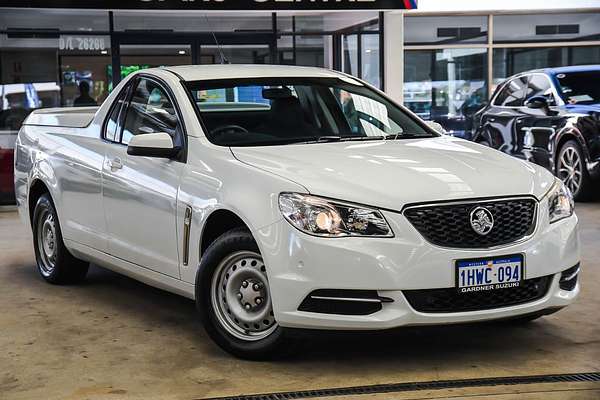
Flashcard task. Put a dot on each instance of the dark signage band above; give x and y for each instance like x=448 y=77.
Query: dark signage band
x=216 y=4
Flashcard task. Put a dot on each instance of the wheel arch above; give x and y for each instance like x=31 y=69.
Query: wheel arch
x=217 y=223
x=36 y=190
x=566 y=136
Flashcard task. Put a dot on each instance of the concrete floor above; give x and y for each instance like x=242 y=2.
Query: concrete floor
x=115 y=338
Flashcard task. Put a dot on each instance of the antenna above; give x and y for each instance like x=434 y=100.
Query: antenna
x=224 y=59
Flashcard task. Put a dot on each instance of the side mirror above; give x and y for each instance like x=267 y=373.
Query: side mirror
x=158 y=144
x=537 y=103
x=436 y=127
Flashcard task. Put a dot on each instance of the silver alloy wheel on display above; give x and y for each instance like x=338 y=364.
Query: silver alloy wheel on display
x=570 y=169
x=240 y=296
x=47 y=242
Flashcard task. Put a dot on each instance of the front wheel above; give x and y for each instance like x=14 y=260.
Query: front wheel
x=234 y=298
x=571 y=169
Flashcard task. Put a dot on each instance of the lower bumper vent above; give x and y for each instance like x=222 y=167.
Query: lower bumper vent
x=450 y=300
x=343 y=301
x=568 y=279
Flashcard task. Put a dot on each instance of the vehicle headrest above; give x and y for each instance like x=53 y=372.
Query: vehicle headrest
x=276 y=93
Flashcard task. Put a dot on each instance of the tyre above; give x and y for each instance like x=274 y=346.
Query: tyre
x=234 y=300
x=54 y=262
x=571 y=169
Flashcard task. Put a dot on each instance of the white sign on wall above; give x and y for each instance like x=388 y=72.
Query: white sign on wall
x=82 y=43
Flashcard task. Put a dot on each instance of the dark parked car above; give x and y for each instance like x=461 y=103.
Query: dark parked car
x=552 y=118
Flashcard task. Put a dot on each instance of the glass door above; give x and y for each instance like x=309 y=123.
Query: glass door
x=236 y=54
x=135 y=57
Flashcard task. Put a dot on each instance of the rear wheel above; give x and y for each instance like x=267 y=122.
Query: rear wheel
x=54 y=262
x=234 y=299
x=571 y=169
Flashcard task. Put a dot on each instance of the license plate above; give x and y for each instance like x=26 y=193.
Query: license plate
x=483 y=274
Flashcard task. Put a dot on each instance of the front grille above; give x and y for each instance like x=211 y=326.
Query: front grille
x=451 y=300
x=449 y=225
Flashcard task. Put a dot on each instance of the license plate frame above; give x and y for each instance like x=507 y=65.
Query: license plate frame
x=503 y=259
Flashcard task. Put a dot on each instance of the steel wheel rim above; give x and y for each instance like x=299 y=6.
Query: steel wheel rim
x=570 y=169
x=47 y=242
x=241 y=298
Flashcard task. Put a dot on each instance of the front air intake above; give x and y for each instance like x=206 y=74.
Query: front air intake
x=568 y=278
x=343 y=301
x=451 y=300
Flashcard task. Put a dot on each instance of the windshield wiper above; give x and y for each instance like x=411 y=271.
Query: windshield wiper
x=406 y=135
x=353 y=138
x=324 y=139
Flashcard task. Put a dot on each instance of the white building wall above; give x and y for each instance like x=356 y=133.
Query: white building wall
x=394 y=54
x=425 y=6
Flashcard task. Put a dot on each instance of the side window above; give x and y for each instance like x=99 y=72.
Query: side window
x=539 y=85
x=512 y=93
x=150 y=111
x=111 y=129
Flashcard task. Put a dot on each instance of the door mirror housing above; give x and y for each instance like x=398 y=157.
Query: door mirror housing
x=159 y=144
x=436 y=127
x=537 y=103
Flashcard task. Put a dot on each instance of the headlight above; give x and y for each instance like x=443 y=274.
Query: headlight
x=322 y=217
x=560 y=202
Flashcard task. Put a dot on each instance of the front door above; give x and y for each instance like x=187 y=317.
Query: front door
x=140 y=193
x=502 y=123
x=539 y=125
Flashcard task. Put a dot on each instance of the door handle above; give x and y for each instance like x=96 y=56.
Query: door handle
x=115 y=164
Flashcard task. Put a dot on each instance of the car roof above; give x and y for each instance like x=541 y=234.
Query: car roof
x=577 y=68
x=238 y=71
x=559 y=70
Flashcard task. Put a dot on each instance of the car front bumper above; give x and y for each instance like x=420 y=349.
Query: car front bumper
x=299 y=264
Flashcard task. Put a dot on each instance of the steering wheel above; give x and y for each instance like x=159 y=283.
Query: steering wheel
x=228 y=129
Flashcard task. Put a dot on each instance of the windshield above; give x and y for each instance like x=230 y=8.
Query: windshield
x=260 y=112
x=579 y=87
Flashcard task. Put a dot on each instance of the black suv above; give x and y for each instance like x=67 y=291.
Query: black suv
x=550 y=117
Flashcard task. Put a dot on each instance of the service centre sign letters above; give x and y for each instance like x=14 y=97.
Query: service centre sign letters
x=217 y=4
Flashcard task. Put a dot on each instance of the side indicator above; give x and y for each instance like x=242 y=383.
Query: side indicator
x=187 y=222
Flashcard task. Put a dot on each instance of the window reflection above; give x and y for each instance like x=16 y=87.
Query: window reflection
x=445 y=30
x=512 y=61
x=446 y=85
x=350 y=54
x=41 y=72
x=370 y=59
x=546 y=27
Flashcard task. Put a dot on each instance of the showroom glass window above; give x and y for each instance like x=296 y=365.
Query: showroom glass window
x=516 y=43
x=549 y=40
x=446 y=85
x=41 y=67
x=348 y=41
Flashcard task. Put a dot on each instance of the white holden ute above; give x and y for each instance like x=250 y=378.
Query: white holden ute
x=284 y=198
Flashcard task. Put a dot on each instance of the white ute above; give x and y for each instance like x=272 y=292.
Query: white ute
x=290 y=197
